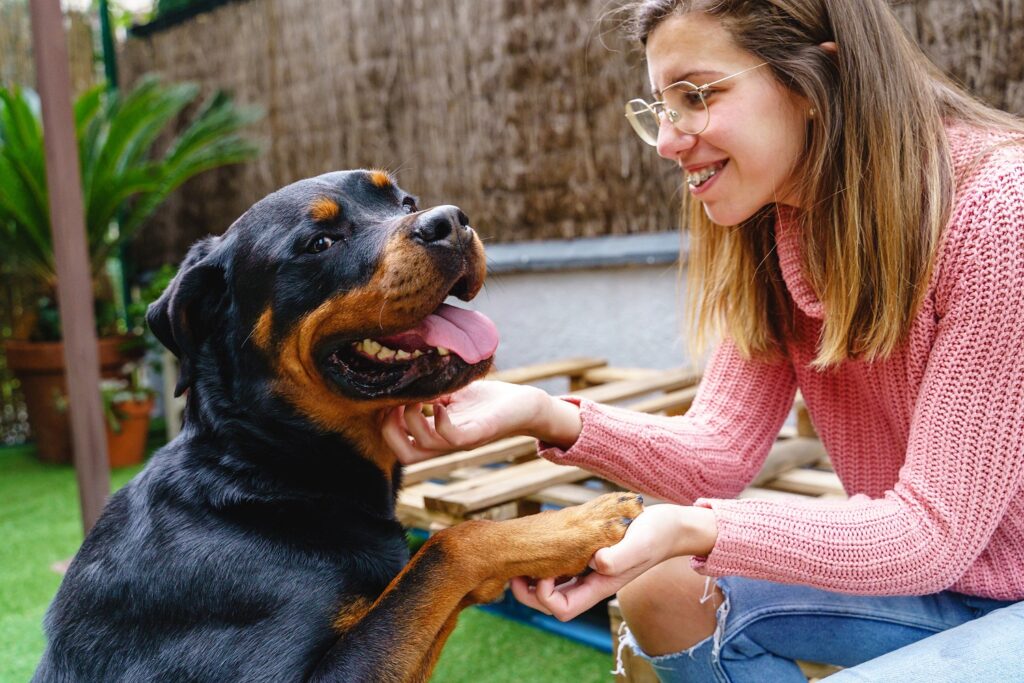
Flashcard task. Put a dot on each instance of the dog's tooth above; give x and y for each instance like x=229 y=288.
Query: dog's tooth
x=372 y=347
x=385 y=353
x=402 y=354
x=417 y=353
x=441 y=351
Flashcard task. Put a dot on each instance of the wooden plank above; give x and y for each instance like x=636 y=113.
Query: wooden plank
x=71 y=257
x=789 y=454
x=511 y=483
x=771 y=494
x=804 y=426
x=566 y=494
x=606 y=374
x=569 y=367
x=412 y=512
x=675 y=402
x=809 y=482
x=502 y=450
x=668 y=380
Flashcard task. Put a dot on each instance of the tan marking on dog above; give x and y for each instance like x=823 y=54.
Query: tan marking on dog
x=380 y=177
x=395 y=299
x=261 y=331
x=351 y=614
x=324 y=209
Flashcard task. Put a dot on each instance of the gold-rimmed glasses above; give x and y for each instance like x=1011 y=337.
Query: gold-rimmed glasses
x=683 y=104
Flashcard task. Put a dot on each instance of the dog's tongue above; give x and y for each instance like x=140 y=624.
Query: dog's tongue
x=469 y=334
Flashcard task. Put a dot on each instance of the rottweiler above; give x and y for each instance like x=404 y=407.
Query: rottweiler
x=261 y=544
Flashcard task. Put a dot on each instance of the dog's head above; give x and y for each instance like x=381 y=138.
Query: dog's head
x=330 y=292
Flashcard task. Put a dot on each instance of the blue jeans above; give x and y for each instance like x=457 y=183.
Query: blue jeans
x=764 y=626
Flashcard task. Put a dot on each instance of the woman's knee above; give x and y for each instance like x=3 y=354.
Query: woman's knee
x=670 y=607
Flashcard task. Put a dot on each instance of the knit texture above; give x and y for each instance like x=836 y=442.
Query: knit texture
x=929 y=442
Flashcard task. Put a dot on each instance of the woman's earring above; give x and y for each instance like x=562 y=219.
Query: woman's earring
x=812 y=112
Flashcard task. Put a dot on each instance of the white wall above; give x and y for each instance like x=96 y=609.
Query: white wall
x=627 y=315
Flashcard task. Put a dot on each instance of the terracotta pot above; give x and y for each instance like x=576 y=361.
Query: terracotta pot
x=39 y=367
x=128 y=446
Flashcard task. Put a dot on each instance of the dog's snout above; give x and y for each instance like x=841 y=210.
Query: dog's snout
x=440 y=224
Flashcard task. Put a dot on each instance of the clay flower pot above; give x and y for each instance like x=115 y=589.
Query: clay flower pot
x=127 y=445
x=39 y=367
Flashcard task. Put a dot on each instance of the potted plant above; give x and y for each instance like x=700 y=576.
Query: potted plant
x=127 y=404
x=124 y=180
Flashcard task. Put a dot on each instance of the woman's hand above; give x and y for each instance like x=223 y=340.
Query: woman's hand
x=659 y=533
x=478 y=413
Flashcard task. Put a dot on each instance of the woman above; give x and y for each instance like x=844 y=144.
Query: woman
x=858 y=233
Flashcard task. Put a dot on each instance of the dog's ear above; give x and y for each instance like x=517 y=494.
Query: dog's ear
x=185 y=313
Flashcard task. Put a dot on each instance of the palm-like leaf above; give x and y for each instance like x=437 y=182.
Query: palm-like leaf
x=121 y=174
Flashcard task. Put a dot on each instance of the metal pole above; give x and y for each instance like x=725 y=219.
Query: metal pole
x=74 y=285
x=107 y=41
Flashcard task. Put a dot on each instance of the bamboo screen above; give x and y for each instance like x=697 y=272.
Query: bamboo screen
x=511 y=109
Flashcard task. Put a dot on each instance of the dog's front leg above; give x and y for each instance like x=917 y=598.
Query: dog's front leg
x=397 y=638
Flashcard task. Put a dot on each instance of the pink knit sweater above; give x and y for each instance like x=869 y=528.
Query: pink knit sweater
x=929 y=443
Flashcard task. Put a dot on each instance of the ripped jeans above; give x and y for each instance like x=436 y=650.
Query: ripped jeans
x=764 y=626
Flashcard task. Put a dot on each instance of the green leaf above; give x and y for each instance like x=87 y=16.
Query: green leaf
x=122 y=175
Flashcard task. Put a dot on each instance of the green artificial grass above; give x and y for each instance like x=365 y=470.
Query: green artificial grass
x=40 y=525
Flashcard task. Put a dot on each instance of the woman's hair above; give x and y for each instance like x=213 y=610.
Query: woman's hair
x=876 y=178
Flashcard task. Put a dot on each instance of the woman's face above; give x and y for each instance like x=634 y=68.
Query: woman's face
x=757 y=127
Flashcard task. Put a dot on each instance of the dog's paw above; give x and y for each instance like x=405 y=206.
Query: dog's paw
x=604 y=520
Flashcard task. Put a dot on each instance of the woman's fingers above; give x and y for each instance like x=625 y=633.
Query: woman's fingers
x=397 y=438
x=568 y=600
x=463 y=436
x=525 y=593
x=422 y=430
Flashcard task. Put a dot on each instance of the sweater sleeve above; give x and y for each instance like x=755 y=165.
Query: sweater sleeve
x=714 y=450
x=964 y=463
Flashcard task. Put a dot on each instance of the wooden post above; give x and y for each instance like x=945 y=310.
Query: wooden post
x=74 y=281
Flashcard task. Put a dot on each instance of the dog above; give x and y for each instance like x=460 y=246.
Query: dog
x=261 y=544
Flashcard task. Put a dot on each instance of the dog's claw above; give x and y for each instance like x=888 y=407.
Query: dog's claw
x=626 y=521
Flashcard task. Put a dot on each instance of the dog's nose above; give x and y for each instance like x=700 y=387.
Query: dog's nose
x=440 y=224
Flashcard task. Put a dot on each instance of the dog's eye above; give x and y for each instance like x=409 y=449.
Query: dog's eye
x=319 y=244
x=409 y=204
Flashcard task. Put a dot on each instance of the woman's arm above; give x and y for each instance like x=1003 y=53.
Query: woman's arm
x=957 y=502
x=715 y=449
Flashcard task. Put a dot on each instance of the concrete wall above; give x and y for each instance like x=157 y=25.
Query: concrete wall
x=629 y=315
x=617 y=298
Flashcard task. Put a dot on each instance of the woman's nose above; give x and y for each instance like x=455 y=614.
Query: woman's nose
x=672 y=142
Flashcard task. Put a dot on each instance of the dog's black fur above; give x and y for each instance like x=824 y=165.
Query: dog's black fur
x=257 y=545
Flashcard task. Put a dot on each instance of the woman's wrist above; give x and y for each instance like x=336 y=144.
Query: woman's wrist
x=698 y=531
x=558 y=422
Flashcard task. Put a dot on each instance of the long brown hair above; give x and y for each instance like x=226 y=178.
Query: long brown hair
x=876 y=178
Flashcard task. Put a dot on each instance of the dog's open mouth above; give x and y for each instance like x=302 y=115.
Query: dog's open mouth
x=448 y=348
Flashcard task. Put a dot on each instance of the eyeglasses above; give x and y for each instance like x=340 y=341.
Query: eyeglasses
x=682 y=104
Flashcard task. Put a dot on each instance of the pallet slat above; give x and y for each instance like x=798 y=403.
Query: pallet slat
x=498 y=451
x=788 y=454
x=569 y=367
x=808 y=482
x=464 y=497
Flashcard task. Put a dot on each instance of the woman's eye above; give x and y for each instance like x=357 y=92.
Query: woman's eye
x=409 y=204
x=319 y=244
x=694 y=99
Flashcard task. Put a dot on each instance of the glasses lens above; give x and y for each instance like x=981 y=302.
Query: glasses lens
x=686 y=108
x=644 y=121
